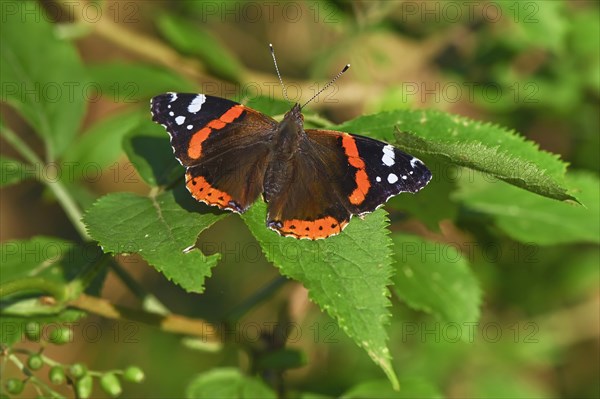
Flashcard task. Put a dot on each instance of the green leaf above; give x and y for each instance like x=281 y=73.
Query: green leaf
x=12 y=171
x=149 y=150
x=435 y=278
x=52 y=258
x=312 y=395
x=194 y=40
x=227 y=383
x=535 y=24
x=585 y=44
x=39 y=266
x=532 y=219
x=268 y=105
x=493 y=384
x=381 y=389
x=47 y=266
x=42 y=76
x=161 y=229
x=282 y=359
x=346 y=275
x=129 y=83
x=100 y=145
x=456 y=140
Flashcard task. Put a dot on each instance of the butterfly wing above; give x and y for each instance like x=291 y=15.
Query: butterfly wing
x=335 y=175
x=305 y=205
x=223 y=145
x=380 y=171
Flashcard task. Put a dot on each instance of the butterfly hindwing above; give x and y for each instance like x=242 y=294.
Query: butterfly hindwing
x=307 y=204
x=341 y=175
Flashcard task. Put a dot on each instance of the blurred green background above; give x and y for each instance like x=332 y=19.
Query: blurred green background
x=530 y=66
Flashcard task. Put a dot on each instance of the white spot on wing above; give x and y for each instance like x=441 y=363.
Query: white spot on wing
x=388 y=155
x=190 y=127
x=196 y=103
x=392 y=178
x=173 y=97
x=404 y=177
x=414 y=162
x=179 y=120
x=171 y=113
x=378 y=179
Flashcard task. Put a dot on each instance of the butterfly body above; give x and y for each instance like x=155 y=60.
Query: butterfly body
x=312 y=180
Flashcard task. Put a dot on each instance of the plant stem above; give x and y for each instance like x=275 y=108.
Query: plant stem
x=29 y=284
x=58 y=189
x=169 y=323
x=150 y=303
x=259 y=296
x=17 y=362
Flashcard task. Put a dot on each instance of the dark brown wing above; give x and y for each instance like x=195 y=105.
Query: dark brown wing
x=308 y=204
x=336 y=175
x=224 y=146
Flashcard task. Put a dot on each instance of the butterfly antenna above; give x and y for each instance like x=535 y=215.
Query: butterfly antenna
x=327 y=85
x=278 y=74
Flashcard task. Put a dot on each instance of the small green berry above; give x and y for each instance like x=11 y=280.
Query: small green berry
x=61 y=335
x=78 y=370
x=33 y=331
x=84 y=386
x=111 y=384
x=57 y=375
x=14 y=386
x=133 y=374
x=35 y=362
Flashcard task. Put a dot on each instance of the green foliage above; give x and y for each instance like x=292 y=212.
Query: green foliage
x=134 y=84
x=435 y=278
x=198 y=42
x=161 y=228
x=380 y=389
x=536 y=23
x=532 y=219
x=227 y=383
x=100 y=145
x=55 y=105
x=41 y=266
x=342 y=274
x=149 y=150
x=12 y=171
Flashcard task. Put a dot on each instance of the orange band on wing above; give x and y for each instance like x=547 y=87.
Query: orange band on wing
x=313 y=229
x=195 y=147
x=361 y=178
x=203 y=191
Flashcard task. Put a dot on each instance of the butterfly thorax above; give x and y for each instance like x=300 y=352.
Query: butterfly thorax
x=285 y=144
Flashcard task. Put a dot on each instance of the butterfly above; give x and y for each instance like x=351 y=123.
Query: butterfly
x=313 y=180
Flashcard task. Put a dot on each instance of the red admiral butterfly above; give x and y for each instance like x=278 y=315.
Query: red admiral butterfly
x=313 y=180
